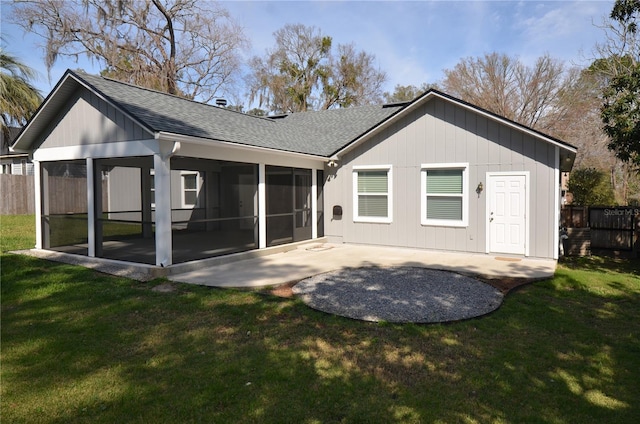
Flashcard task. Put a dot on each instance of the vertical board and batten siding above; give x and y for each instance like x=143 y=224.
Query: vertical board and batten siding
x=442 y=132
x=87 y=119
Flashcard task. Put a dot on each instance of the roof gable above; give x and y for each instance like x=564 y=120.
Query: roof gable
x=567 y=151
x=329 y=133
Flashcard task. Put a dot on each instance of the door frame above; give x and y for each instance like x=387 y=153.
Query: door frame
x=527 y=214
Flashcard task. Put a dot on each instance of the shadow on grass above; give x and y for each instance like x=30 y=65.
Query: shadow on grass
x=602 y=263
x=79 y=346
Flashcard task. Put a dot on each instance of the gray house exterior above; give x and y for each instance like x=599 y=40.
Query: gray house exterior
x=170 y=180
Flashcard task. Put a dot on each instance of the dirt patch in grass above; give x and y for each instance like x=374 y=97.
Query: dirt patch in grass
x=506 y=285
x=283 y=290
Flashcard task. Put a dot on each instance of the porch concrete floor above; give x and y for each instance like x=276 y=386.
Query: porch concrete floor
x=312 y=259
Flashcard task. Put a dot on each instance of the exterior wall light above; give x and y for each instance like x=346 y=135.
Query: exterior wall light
x=479 y=188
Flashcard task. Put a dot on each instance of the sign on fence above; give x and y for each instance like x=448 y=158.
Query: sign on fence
x=614 y=228
x=609 y=229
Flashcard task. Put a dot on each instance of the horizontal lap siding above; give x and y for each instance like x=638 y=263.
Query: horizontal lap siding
x=87 y=119
x=442 y=132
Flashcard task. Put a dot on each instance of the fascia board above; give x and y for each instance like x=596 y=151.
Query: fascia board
x=166 y=136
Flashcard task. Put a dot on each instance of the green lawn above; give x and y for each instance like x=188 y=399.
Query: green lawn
x=79 y=346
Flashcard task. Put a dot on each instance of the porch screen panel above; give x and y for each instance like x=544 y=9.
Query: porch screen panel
x=125 y=221
x=214 y=212
x=65 y=224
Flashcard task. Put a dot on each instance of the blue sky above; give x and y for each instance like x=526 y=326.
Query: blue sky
x=413 y=41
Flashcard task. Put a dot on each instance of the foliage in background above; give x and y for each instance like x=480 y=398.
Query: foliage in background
x=304 y=72
x=406 y=93
x=19 y=99
x=591 y=187
x=184 y=47
x=620 y=60
x=504 y=85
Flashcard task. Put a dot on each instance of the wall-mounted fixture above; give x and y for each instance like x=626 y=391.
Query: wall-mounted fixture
x=337 y=211
x=479 y=188
x=332 y=164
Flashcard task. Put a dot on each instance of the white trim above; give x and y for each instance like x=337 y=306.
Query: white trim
x=91 y=209
x=556 y=204
x=98 y=151
x=425 y=97
x=222 y=143
x=527 y=220
x=37 y=181
x=381 y=220
x=262 y=207
x=464 y=166
x=314 y=204
x=164 y=238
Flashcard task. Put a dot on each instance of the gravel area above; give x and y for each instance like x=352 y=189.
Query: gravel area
x=399 y=294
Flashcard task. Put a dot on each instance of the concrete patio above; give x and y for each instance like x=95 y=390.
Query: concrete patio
x=316 y=258
x=284 y=264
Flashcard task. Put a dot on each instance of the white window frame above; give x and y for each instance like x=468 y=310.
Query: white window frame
x=152 y=187
x=184 y=190
x=464 y=222
x=384 y=220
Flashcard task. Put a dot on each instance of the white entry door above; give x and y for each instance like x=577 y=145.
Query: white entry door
x=507 y=212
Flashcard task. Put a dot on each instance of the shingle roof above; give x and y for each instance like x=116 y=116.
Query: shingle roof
x=316 y=133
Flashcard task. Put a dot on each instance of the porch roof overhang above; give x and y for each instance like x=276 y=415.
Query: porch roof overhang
x=567 y=151
x=163 y=136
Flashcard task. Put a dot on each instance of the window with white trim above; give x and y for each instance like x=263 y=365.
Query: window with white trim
x=445 y=194
x=153 y=188
x=190 y=188
x=372 y=194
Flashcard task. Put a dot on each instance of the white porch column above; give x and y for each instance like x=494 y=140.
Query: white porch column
x=262 y=207
x=37 y=182
x=163 y=210
x=314 y=204
x=91 y=208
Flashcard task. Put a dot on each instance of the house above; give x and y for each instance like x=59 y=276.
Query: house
x=132 y=174
x=10 y=162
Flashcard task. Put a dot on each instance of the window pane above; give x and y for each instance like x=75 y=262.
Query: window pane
x=190 y=197
x=374 y=206
x=447 y=181
x=190 y=181
x=372 y=182
x=444 y=208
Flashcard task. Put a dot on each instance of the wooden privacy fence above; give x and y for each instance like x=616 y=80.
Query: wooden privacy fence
x=17 y=194
x=602 y=230
x=66 y=195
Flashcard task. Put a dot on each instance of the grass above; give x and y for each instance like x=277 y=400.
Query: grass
x=83 y=347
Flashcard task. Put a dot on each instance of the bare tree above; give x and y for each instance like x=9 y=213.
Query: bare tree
x=405 y=93
x=504 y=85
x=302 y=73
x=183 y=47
